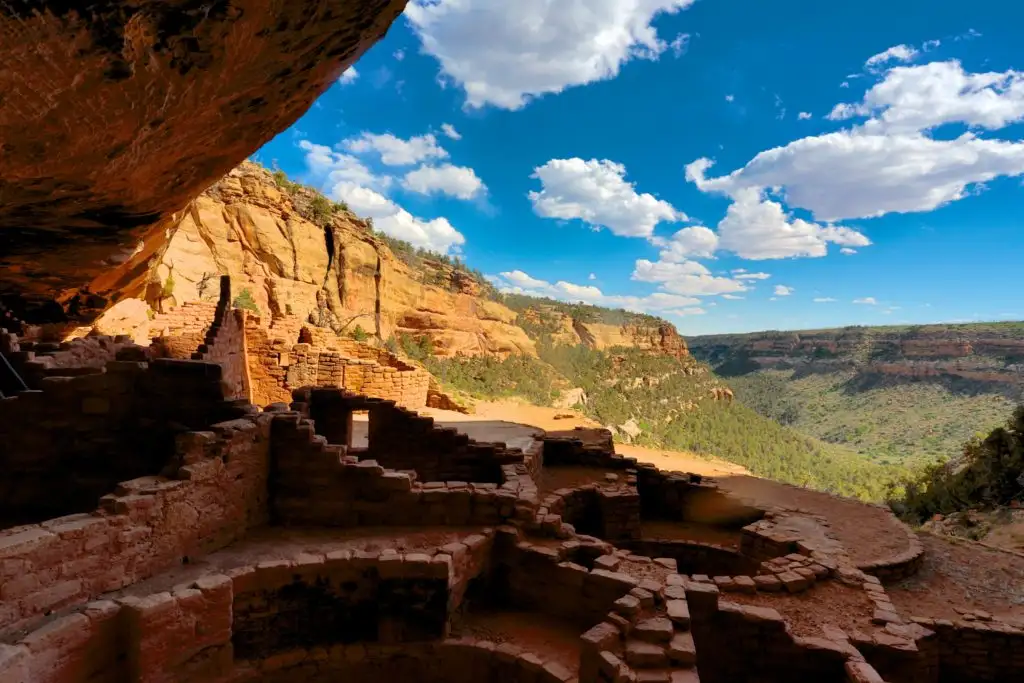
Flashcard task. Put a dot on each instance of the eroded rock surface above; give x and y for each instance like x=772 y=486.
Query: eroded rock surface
x=114 y=115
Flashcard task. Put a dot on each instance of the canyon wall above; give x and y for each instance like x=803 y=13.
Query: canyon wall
x=984 y=354
x=247 y=227
x=336 y=274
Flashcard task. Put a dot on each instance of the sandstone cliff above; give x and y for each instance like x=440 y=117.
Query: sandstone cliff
x=339 y=275
x=642 y=332
x=981 y=354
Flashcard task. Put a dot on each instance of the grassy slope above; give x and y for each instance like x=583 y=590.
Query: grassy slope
x=906 y=423
x=674 y=411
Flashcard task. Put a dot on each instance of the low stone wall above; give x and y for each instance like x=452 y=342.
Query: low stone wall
x=610 y=512
x=693 y=557
x=402 y=440
x=901 y=566
x=252 y=621
x=35 y=361
x=740 y=643
x=147 y=525
x=73 y=440
x=315 y=483
x=546 y=579
x=970 y=652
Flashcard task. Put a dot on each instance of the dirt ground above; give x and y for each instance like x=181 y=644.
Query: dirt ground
x=869 y=533
x=544 y=418
x=690 y=531
x=547 y=637
x=554 y=478
x=827 y=603
x=960 y=575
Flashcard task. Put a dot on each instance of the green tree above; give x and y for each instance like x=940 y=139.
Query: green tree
x=245 y=300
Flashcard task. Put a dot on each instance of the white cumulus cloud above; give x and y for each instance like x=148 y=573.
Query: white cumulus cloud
x=896 y=53
x=693 y=242
x=783 y=290
x=688 y=278
x=395 y=151
x=597 y=193
x=505 y=53
x=519 y=282
x=345 y=178
x=456 y=181
x=804 y=115
x=889 y=163
x=742 y=274
x=867 y=301
x=823 y=300
x=349 y=75
x=449 y=130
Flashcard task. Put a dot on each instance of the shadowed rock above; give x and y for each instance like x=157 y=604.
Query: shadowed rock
x=112 y=118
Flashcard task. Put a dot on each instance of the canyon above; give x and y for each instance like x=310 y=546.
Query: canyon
x=985 y=356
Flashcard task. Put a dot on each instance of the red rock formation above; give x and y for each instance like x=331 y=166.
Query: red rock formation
x=113 y=117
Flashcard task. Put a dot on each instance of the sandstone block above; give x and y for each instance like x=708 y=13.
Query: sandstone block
x=642 y=654
x=681 y=649
x=654 y=630
x=679 y=613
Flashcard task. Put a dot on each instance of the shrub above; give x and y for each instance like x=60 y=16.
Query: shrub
x=321 y=209
x=168 y=289
x=359 y=334
x=990 y=472
x=245 y=300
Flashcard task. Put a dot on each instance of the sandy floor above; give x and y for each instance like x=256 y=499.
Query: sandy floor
x=961 y=575
x=828 y=603
x=547 y=637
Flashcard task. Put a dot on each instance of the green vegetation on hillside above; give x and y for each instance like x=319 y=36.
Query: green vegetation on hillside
x=893 y=423
x=988 y=473
x=671 y=403
x=487 y=377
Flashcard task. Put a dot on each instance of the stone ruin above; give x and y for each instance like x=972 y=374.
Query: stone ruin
x=155 y=527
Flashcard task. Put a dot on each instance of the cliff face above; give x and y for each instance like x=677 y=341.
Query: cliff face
x=985 y=353
x=657 y=336
x=114 y=115
x=340 y=275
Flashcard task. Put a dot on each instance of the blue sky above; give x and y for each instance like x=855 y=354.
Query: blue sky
x=729 y=165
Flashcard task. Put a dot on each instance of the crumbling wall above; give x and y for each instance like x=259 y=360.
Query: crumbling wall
x=178 y=332
x=315 y=483
x=218 y=490
x=741 y=643
x=976 y=652
x=73 y=440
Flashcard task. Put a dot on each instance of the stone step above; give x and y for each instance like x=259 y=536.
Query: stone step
x=679 y=614
x=681 y=650
x=684 y=676
x=654 y=630
x=643 y=655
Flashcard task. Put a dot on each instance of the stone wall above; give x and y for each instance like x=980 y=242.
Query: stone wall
x=217 y=491
x=178 y=332
x=693 y=557
x=402 y=440
x=290 y=354
x=75 y=438
x=315 y=483
x=976 y=652
x=739 y=643
x=225 y=344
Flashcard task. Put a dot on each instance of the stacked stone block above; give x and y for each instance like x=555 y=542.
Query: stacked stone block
x=75 y=438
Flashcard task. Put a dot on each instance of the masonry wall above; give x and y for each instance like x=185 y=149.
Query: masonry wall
x=315 y=483
x=73 y=440
x=35 y=361
x=279 y=362
x=974 y=652
x=695 y=558
x=178 y=332
x=742 y=643
x=218 y=490
x=225 y=344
